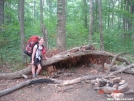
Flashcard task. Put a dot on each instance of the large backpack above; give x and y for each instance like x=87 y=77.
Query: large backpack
x=30 y=44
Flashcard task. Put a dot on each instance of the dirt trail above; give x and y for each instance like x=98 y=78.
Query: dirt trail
x=49 y=92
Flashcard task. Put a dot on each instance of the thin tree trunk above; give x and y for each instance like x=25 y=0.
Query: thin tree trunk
x=21 y=17
x=1 y=12
x=34 y=11
x=85 y=13
x=61 y=27
x=96 y=17
x=101 y=31
x=45 y=33
x=119 y=16
x=131 y=10
x=91 y=22
x=127 y=9
x=96 y=11
x=108 y=14
x=41 y=16
x=112 y=14
x=124 y=19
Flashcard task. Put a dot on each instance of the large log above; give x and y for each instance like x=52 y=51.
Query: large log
x=58 y=58
x=16 y=74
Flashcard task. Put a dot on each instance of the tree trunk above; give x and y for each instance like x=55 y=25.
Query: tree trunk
x=21 y=17
x=43 y=27
x=45 y=33
x=101 y=31
x=61 y=27
x=96 y=22
x=91 y=22
x=124 y=19
x=1 y=12
x=85 y=13
x=34 y=11
x=109 y=3
x=112 y=14
x=119 y=16
x=41 y=16
x=65 y=56
x=131 y=5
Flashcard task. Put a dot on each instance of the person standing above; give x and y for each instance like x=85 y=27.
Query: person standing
x=38 y=51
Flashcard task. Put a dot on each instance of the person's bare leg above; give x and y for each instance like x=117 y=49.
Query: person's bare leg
x=38 y=69
x=33 y=71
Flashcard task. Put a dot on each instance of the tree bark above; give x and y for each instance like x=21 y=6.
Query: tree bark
x=112 y=14
x=45 y=33
x=41 y=16
x=1 y=12
x=85 y=13
x=101 y=31
x=91 y=22
x=61 y=27
x=108 y=16
x=22 y=35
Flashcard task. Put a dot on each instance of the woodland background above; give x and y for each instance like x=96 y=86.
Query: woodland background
x=108 y=24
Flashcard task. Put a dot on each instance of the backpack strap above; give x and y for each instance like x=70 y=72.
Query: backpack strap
x=38 y=47
x=42 y=47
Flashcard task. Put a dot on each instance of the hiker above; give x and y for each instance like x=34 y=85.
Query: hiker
x=38 y=50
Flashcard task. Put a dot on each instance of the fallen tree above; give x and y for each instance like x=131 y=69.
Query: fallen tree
x=67 y=55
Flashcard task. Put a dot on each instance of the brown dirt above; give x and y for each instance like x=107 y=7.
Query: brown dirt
x=47 y=92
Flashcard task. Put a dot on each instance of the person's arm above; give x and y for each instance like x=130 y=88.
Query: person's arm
x=33 y=54
x=45 y=56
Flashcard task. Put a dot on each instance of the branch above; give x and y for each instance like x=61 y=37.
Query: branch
x=120 y=70
x=113 y=61
x=23 y=84
x=44 y=80
x=115 y=68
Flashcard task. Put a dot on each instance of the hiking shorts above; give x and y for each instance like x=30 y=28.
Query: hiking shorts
x=37 y=61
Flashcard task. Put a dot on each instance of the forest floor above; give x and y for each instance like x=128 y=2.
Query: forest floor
x=48 y=92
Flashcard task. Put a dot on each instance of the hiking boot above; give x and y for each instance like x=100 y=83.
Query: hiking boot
x=34 y=76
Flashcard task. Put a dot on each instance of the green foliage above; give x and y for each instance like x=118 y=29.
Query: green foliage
x=116 y=42
x=76 y=34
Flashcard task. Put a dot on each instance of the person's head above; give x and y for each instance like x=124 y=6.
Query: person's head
x=41 y=40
